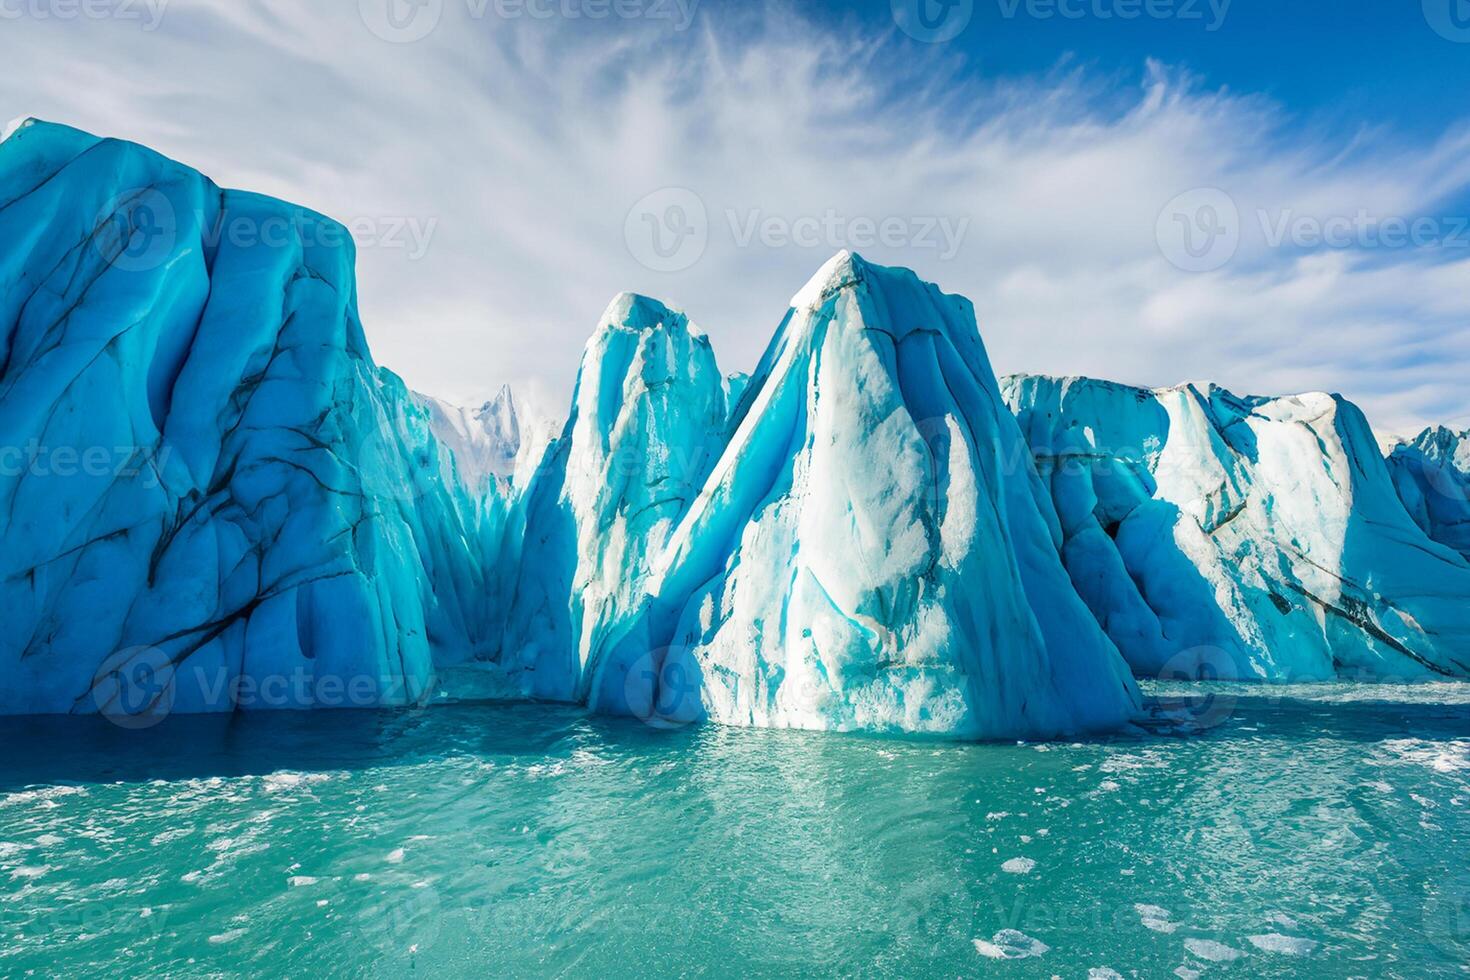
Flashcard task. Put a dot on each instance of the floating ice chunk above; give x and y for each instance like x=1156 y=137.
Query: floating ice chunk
x=1286 y=945
x=1155 y=918
x=1208 y=949
x=1011 y=944
x=395 y=856
x=1018 y=866
x=1103 y=973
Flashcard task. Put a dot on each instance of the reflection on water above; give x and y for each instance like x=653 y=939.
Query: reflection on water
x=1315 y=830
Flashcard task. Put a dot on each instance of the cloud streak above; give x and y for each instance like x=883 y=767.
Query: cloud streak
x=526 y=141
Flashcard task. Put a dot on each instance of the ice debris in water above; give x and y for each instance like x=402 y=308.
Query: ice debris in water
x=1155 y=918
x=1214 y=952
x=1011 y=944
x=1287 y=945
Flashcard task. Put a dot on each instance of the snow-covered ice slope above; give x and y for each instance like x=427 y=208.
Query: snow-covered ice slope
x=485 y=441
x=1432 y=475
x=862 y=556
x=204 y=467
x=1256 y=538
x=647 y=416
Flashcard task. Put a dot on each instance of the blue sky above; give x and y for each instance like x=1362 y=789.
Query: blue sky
x=1344 y=61
x=1275 y=204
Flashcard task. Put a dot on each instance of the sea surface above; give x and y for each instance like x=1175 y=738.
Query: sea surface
x=1305 y=831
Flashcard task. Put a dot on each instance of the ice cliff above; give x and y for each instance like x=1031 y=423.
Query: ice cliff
x=860 y=556
x=205 y=471
x=207 y=483
x=647 y=416
x=1432 y=476
x=1257 y=538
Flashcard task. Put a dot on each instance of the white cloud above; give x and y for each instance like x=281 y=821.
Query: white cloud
x=528 y=140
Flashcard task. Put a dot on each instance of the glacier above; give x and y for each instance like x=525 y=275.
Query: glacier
x=208 y=481
x=208 y=485
x=858 y=557
x=1252 y=538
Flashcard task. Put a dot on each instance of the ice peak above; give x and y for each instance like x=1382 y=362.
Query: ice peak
x=16 y=125
x=846 y=268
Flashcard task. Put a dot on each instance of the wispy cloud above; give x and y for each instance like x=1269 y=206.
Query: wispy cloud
x=526 y=142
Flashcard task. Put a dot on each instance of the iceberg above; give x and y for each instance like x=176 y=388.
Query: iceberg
x=1432 y=475
x=647 y=417
x=207 y=482
x=1242 y=537
x=862 y=556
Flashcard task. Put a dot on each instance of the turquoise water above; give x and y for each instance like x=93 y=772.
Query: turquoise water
x=1330 y=824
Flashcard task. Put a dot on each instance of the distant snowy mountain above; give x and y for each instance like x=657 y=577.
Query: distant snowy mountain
x=1259 y=538
x=485 y=441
